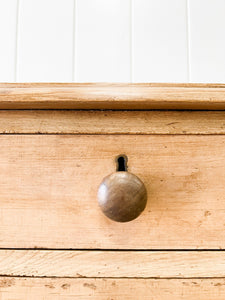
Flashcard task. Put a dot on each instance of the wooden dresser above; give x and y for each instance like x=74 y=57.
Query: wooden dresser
x=58 y=142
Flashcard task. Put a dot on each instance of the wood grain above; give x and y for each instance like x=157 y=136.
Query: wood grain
x=49 y=185
x=111 y=96
x=113 y=264
x=111 y=289
x=112 y=122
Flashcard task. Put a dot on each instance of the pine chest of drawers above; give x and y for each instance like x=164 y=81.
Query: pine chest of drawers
x=58 y=142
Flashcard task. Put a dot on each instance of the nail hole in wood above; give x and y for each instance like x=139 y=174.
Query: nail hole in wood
x=121 y=161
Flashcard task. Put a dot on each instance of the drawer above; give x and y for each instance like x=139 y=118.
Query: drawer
x=49 y=189
x=41 y=274
x=116 y=289
x=58 y=142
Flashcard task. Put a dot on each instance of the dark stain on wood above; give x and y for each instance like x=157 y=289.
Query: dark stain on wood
x=90 y=285
x=7 y=282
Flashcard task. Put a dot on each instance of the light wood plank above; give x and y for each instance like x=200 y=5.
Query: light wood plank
x=116 y=264
x=45 y=40
x=8 y=20
x=102 y=32
x=207 y=47
x=111 y=96
x=102 y=289
x=111 y=122
x=159 y=42
x=49 y=183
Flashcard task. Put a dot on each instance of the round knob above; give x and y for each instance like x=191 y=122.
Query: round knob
x=122 y=196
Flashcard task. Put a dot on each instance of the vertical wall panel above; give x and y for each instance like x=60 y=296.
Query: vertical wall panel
x=45 y=40
x=160 y=41
x=8 y=9
x=207 y=40
x=102 y=40
x=104 y=31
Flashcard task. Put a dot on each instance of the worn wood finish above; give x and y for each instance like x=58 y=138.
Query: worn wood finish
x=111 y=96
x=112 y=122
x=49 y=185
x=116 y=289
x=115 y=264
x=122 y=196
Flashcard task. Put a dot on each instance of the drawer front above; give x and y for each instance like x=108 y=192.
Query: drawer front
x=150 y=275
x=111 y=289
x=49 y=183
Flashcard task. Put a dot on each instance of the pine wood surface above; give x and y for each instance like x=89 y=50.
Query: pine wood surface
x=49 y=185
x=112 y=122
x=49 y=188
x=111 y=289
x=112 y=96
x=112 y=264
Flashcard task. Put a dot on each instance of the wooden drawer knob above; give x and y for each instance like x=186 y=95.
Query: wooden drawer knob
x=122 y=196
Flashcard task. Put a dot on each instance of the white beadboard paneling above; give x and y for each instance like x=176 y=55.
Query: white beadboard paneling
x=207 y=40
x=102 y=40
x=160 y=41
x=45 y=40
x=8 y=9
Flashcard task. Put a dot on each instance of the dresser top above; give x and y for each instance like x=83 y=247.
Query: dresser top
x=113 y=96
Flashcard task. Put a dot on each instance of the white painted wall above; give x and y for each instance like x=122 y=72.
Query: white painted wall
x=112 y=40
